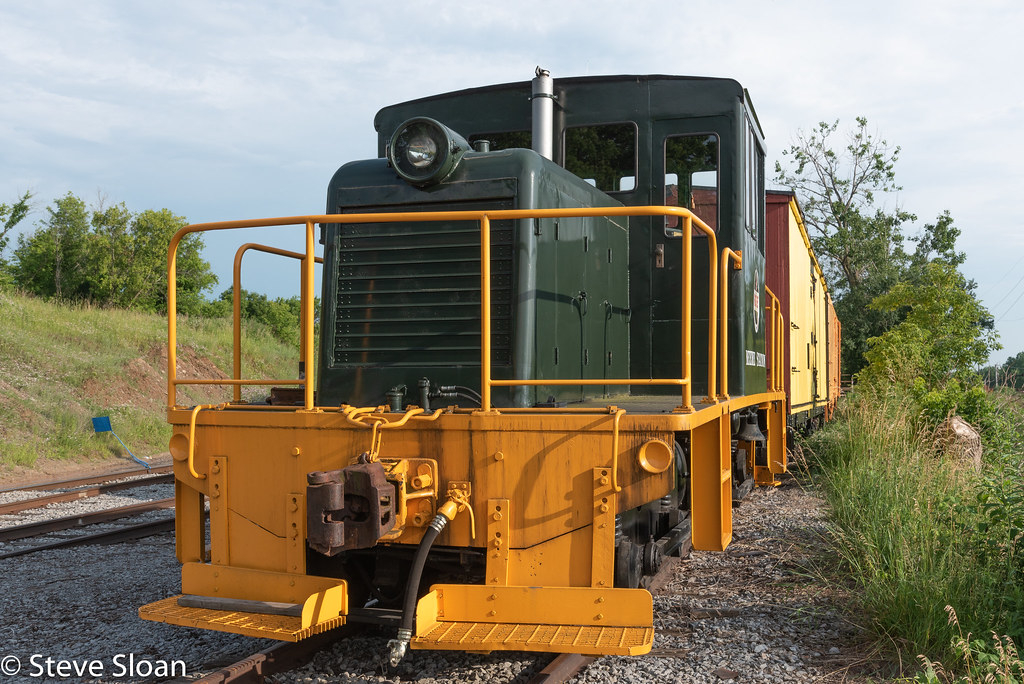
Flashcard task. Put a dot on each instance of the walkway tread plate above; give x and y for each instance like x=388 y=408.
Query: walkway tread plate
x=582 y=639
x=280 y=627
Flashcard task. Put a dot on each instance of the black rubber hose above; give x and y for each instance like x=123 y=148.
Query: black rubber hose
x=412 y=587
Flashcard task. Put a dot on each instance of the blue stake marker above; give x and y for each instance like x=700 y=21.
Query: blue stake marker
x=102 y=424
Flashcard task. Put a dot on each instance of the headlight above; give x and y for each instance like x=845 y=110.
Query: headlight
x=424 y=151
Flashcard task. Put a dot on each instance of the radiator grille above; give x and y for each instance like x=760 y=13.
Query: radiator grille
x=408 y=294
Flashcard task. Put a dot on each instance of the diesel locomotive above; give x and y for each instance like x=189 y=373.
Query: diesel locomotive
x=547 y=360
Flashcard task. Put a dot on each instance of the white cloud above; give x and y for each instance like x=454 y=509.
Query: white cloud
x=230 y=109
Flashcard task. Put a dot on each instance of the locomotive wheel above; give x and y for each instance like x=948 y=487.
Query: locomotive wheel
x=628 y=564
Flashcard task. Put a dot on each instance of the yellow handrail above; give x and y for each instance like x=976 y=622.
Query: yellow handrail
x=775 y=377
x=615 y=446
x=737 y=263
x=483 y=218
x=236 y=304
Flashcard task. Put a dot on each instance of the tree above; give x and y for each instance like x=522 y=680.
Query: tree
x=856 y=240
x=52 y=261
x=858 y=244
x=111 y=256
x=11 y=216
x=942 y=336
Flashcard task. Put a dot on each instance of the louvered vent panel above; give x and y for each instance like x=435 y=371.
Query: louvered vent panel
x=409 y=294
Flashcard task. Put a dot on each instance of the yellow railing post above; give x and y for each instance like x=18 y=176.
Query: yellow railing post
x=775 y=376
x=172 y=318
x=687 y=314
x=236 y=303
x=485 y=313
x=307 y=314
x=712 y=396
x=737 y=263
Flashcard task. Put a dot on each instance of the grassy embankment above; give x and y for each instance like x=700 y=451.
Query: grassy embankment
x=918 y=531
x=61 y=365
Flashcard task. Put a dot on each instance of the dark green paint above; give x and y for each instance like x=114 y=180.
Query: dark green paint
x=631 y=309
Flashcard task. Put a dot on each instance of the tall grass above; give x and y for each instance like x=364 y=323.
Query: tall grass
x=910 y=526
x=61 y=365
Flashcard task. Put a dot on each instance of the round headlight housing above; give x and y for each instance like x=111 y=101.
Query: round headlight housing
x=425 y=152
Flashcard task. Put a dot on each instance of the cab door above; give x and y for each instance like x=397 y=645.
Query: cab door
x=690 y=174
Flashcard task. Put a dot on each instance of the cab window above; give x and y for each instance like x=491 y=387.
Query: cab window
x=604 y=155
x=753 y=187
x=691 y=179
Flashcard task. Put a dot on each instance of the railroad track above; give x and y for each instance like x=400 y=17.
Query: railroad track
x=82 y=493
x=254 y=669
x=126 y=533
x=82 y=488
x=91 y=479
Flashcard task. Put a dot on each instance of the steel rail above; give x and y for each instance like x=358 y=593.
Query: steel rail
x=562 y=668
x=82 y=493
x=74 y=521
x=91 y=479
x=273 y=660
x=147 y=529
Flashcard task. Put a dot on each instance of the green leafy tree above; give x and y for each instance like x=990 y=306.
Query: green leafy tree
x=53 y=261
x=858 y=243
x=10 y=216
x=854 y=238
x=945 y=333
x=1009 y=373
x=111 y=256
x=281 y=315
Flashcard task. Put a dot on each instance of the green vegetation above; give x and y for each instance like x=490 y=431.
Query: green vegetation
x=917 y=527
x=81 y=298
x=61 y=365
x=110 y=256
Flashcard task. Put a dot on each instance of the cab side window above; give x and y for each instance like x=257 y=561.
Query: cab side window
x=604 y=156
x=691 y=178
x=753 y=187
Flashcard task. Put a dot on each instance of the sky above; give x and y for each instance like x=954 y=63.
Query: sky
x=234 y=110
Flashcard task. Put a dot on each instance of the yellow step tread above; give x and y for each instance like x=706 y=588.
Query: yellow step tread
x=583 y=639
x=280 y=627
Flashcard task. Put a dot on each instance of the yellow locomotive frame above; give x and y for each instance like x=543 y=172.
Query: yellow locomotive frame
x=538 y=488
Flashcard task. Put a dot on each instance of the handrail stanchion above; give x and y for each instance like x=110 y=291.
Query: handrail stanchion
x=307 y=310
x=737 y=261
x=775 y=307
x=172 y=316
x=779 y=326
x=687 y=314
x=775 y=345
x=485 y=313
x=712 y=395
x=236 y=303
x=236 y=316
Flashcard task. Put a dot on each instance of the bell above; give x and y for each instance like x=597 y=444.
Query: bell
x=750 y=432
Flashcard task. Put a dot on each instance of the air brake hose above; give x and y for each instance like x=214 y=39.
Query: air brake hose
x=398 y=646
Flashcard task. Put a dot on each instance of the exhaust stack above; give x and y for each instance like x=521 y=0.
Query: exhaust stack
x=543 y=98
